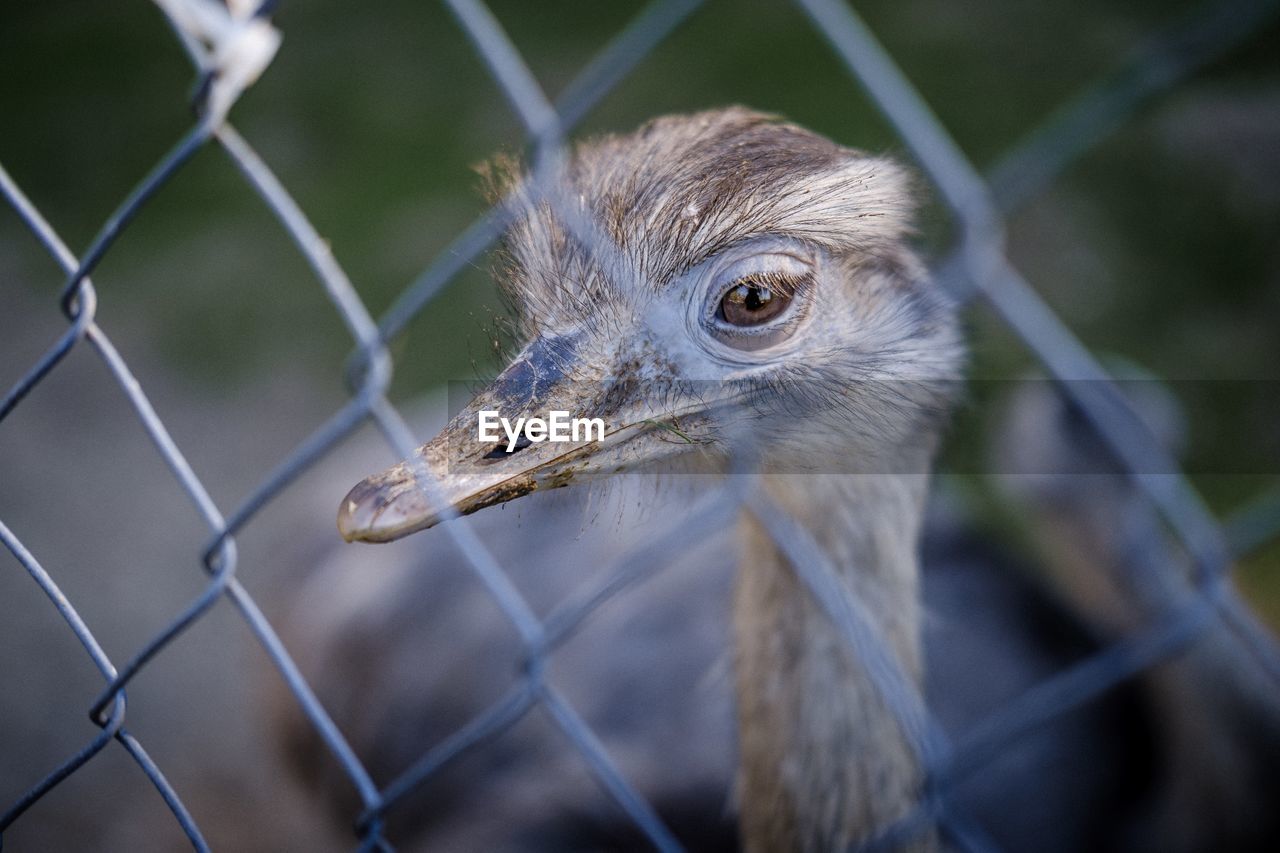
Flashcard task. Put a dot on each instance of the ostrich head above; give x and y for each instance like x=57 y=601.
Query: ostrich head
x=708 y=284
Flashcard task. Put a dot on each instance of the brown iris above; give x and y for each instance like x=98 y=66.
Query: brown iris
x=751 y=303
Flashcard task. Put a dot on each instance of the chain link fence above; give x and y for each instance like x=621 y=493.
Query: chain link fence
x=231 y=44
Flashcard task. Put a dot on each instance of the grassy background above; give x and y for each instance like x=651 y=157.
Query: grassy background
x=1159 y=246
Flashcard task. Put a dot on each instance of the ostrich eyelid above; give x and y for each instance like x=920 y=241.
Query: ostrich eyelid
x=793 y=277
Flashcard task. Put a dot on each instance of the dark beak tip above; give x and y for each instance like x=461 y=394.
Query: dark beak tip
x=383 y=508
x=355 y=516
x=371 y=511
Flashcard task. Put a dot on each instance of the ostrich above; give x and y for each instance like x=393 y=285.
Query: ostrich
x=763 y=300
x=772 y=271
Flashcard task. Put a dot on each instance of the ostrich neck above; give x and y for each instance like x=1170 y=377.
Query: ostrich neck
x=823 y=762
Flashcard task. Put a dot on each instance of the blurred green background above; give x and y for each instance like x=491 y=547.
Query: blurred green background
x=374 y=115
x=1159 y=246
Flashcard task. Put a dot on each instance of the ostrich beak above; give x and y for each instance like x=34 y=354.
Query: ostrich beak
x=455 y=472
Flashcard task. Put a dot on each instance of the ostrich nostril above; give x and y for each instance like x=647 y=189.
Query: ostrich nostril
x=501 y=452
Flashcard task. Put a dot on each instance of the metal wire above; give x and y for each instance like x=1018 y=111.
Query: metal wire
x=230 y=46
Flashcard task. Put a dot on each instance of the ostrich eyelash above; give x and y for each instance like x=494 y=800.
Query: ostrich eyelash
x=786 y=284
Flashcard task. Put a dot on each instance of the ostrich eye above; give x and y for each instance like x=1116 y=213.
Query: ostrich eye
x=751 y=303
x=757 y=301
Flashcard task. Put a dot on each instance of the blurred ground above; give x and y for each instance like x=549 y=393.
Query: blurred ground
x=1160 y=245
